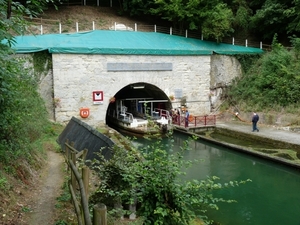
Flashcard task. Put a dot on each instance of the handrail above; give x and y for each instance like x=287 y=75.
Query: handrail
x=162 y=113
x=195 y=121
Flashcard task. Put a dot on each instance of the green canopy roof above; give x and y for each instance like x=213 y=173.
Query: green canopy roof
x=125 y=43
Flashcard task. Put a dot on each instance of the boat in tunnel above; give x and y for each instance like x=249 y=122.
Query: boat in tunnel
x=139 y=116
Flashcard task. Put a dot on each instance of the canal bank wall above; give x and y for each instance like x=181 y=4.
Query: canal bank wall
x=281 y=146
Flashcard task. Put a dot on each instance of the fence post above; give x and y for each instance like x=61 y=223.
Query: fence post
x=100 y=214
x=73 y=179
x=67 y=152
x=76 y=206
x=77 y=27
x=41 y=29
x=85 y=151
x=155 y=28
x=85 y=178
x=186 y=33
x=232 y=40
x=60 y=28
x=170 y=30
x=246 y=43
x=205 y=120
x=93 y=25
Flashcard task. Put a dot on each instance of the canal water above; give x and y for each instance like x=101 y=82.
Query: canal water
x=272 y=198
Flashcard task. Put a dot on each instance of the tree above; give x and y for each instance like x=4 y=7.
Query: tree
x=292 y=13
x=218 y=22
x=270 y=19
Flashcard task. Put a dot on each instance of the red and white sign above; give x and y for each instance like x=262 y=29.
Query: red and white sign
x=98 y=97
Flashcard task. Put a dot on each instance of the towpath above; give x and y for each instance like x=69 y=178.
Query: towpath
x=277 y=133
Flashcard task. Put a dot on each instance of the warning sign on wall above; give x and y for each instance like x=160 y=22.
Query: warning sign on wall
x=98 y=97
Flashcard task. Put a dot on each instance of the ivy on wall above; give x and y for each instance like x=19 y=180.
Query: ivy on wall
x=42 y=63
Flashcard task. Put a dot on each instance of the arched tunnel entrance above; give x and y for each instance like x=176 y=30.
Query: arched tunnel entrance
x=141 y=100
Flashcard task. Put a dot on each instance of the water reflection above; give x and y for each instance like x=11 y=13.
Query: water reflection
x=272 y=198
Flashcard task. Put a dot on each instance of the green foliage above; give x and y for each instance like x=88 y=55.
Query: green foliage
x=23 y=114
x=272 y=80
x=4 y=185
x=42 y=63
x=247 y=61
x=26 y=209
x=61 y=222
x=214 y=18
x=218 y=22
x=65 y=195
x=270 y=18
x=219 y=18
x=153 y=182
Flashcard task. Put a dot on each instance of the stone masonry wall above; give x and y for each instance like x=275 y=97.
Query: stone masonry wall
x=75 y=77
x=224 y=69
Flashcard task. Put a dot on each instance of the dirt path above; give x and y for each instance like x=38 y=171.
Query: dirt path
x=43 y=211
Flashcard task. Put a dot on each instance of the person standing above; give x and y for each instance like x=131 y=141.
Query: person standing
x=255 y=119
x=187 y=115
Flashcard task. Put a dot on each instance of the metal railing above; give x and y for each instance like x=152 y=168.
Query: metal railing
x=194 y=121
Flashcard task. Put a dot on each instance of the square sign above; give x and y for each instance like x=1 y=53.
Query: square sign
x=98 y=97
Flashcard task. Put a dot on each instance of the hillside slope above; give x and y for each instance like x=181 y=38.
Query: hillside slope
x=103 y=18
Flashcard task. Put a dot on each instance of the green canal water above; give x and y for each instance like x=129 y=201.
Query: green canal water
x=272 y=198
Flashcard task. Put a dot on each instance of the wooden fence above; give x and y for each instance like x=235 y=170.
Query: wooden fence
x=80 y=180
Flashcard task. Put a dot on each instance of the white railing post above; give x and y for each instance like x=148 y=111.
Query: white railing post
x=246 y=43
x=93 y=25
x=186 y=33
x=115 y=26
x=202 y=37
x=135 y=27
x=170 y=30
x=77 y=27
x=260 y=45
x=232 y=40
x=155 y=28
x=41 y=29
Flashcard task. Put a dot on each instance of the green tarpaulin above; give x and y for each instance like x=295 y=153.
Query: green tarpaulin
x=125 y=43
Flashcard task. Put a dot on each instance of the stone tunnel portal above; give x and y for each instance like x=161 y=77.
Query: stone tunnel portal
x=139 y=99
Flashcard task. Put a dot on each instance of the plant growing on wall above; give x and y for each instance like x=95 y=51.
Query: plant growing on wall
x=172 y=97
x=42 y=63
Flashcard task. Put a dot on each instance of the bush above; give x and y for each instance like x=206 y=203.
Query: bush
x=271 y=81
x=23 y=113
x=150 y=178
